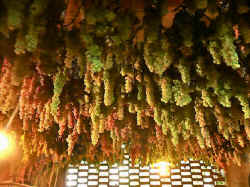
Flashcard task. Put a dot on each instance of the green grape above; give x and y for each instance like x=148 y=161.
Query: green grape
x=199 y=114
x=187 y=124
x=184 y=70
x=109 y=89
x=181 y=94
x=165 y=113
x=214 y=49
x=110 y=15
x=125 y=27
x=120 y=108
x=175 y=140
x=227 y=49
x=98 y=100
x=245 y=105
x=158 y=56
x=81 y=61
x=157 y=115
x=206 y=98
x=140 y=93
x=93 y=55
x=131 y=108
x=59 y=83
x=200 y=66
x=139 y=117
x=94 y=128
x=20 y=44
x=226 y=134
x=166 y=90
x=229 y=53
x=32 y=38
x=224 y=96
x=150 y=97
x=128 y=84
x=201 y=141
x=109 y=61
x=87 y=82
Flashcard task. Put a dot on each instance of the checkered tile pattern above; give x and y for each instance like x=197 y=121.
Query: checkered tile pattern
x=188 y=174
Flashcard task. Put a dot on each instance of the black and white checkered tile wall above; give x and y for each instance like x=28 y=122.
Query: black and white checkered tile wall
x=190 y=173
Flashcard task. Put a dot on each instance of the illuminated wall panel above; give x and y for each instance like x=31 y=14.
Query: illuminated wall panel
x=189 y=174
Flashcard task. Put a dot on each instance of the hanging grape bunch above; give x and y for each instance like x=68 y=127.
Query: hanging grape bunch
x=85 y=85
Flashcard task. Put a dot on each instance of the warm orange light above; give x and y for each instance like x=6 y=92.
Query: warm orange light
x=163 y=168
x=4 y=142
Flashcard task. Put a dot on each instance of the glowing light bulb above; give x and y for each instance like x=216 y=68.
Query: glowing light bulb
x=4 y=142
